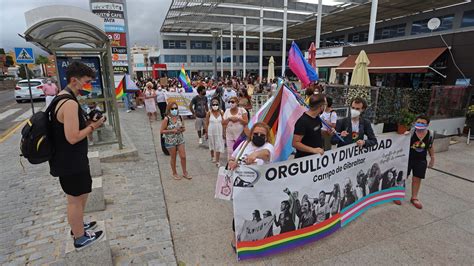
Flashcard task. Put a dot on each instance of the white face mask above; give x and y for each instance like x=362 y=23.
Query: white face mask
x=355 y=113
x=215 y=108
x=49 y=82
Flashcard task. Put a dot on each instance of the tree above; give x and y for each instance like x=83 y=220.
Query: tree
x=9 y=62
x=42 y=60
x=22 y=73
x=2 y=51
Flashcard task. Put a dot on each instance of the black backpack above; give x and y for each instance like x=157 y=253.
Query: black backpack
x=36 y=144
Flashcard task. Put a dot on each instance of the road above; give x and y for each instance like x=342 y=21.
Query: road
x=13 y=113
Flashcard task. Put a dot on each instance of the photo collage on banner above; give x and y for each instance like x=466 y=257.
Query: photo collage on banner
x=283 y=205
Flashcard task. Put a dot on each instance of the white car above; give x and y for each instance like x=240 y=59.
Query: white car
x=22 y=92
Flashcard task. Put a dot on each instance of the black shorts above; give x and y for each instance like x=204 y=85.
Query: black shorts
x=418 y=167
x=77 y=184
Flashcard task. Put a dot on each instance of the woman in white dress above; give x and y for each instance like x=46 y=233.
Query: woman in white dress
x=215 y=132
x=150 y=101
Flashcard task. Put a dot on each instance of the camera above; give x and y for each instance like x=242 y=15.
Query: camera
x=94 y=115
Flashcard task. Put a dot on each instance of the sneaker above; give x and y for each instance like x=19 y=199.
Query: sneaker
x=200 y=141
x=88 y=226
x=129 y=110
x=87 y=239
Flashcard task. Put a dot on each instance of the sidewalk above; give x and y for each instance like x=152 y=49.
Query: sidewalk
x=33 y=222
x=442 y=233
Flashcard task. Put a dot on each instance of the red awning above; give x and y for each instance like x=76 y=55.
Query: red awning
x=411 y=61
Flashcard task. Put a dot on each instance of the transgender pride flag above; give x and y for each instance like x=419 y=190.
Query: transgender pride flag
x=302 y=69
x=290 y=111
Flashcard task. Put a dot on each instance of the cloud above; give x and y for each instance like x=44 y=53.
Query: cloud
x=144 y=19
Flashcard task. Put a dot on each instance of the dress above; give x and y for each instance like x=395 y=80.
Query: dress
x=234 y=129
x=150 y=105
x=215 y=132
x=171 y=139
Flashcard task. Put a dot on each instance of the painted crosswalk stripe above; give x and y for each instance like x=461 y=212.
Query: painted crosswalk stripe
x=8 y=113
x=27 y=114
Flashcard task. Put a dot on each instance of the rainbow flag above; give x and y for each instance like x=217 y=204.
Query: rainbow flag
x=302 y=69
x=184 y=79
x=120 y=90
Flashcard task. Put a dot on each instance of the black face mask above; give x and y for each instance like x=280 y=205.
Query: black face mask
x=258 y=140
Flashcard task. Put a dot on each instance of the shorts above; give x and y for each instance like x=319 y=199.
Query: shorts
x=199 y=123
x=173 y=145
x=418 y=167
x=77 y=184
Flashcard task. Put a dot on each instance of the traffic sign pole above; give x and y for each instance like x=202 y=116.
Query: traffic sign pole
x=29 y=88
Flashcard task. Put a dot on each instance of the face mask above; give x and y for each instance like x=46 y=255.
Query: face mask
x=229 y=89
x=355 y=113
x=215 y=108
x=233 y=105
x=421 y=126
x=174 y=112
x=49 y=82
x=258 y=140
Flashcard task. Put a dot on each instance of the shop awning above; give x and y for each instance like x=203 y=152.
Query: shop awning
x=329 y=62
x=411 y=61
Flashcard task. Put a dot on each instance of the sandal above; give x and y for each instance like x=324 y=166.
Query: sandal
x=416 y=203
x=187 y=176
x=176 y=177
x=398 y=202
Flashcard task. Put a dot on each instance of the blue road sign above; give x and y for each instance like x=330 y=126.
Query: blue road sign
x=24 y=55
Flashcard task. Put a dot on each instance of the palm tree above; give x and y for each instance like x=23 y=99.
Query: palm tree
x=42 y=60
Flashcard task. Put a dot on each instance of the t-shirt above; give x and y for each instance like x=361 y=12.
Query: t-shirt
x=419 y=148
x=249 y=150
x=226 y=97
x=330 y=117
x=310 y=129
x=321 y=212
x=199 y=104
x=355 y=130
x=160 y=96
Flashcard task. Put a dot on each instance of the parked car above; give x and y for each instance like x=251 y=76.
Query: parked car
x=22 y=92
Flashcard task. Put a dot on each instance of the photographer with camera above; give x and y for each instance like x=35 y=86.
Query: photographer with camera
x=69 y=131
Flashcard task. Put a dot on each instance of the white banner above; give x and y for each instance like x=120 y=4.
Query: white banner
x=183 y=100
x=312 y=197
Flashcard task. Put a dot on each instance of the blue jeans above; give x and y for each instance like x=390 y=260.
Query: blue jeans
x=127 y=101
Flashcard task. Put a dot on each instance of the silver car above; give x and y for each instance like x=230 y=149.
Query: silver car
x=22 y=92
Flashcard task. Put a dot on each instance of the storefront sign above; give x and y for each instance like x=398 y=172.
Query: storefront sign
x=312 y=197
x=106 y=6
x=328 y=52
x=119 y=63
x=109 y=14
x=117 y=38
x=121 y=69
x=114 y=28
x=119 y=50
x=119 y=57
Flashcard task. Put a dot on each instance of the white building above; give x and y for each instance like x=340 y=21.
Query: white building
x=143 y=57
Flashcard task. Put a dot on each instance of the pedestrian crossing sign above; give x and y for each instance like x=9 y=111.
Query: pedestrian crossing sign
x=24 y=55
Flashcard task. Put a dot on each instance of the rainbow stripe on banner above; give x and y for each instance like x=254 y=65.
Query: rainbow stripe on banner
x=290 y=240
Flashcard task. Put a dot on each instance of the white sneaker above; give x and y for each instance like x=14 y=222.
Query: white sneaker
x=128 y=111
x=200 y=141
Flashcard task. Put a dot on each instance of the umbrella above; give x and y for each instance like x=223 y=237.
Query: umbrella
x=271 y=69
x=332 y=76
x=312 y=55
x=360 y=75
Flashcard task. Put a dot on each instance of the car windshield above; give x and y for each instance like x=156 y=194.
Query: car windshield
x=25 y=83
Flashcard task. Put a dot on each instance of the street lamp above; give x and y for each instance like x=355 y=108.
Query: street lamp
x=215 y=34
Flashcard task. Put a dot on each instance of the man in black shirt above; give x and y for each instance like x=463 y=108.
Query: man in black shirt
x=307 y=138
x=199 y=108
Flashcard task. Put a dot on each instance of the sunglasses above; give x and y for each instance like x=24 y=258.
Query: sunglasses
x=215 y=105
x=174 y=108
x=231 y=101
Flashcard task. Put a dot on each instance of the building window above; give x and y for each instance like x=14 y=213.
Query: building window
x=226 y=45
x=335 y=41
x=468 y=19
x=201 y=59
x=171 y=44
x=207 y=45
x=421 y=26
x=390 y=32
x=226 y=59
x=250 y=59
x=175 y=58
x=362 y=36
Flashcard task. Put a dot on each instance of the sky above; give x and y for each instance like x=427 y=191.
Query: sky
x=144 y=19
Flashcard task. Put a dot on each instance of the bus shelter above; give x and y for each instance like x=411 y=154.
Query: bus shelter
x=74 y=34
